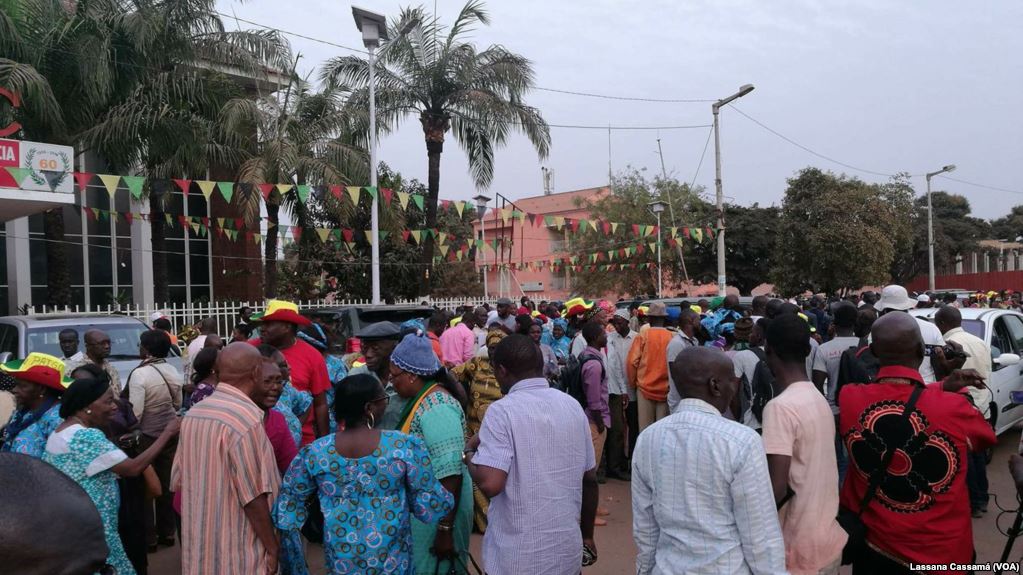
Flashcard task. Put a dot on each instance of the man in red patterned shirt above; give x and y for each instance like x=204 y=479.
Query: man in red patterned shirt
x=920 y=511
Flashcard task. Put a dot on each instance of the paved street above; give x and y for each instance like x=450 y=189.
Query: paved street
x=617 y=550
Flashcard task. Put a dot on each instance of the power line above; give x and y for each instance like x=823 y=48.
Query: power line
x=984 y=186
x=806 y=149
x=295 y=34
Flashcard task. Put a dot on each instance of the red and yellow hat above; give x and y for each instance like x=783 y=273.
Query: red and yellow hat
x=576 y=306
x=39 y=368
x=280 y=310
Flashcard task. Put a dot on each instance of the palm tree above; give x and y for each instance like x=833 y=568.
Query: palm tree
x=434 y=72
x=303 y=137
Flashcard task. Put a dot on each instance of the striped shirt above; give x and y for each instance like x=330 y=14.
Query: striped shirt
x=224 y=461
x=701 y=497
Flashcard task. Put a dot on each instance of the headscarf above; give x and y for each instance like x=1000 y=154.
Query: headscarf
x=314 y=336
x=413 y=325
x=415 y=355
x=494 y=336
x=81 y=394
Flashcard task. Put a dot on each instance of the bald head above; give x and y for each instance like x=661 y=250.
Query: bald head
x=896 y=340
x=948 y=318
x=240 y=365
x=705 y=373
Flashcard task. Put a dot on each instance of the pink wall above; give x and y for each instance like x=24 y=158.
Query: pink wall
x=975 y=282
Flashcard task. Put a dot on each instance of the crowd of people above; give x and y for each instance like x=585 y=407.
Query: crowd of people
x=786 y=437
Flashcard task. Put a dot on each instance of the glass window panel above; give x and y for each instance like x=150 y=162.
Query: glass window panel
x=37 y=261
x=3 y=299
x=177 y=294
x=101 y=295
x=74 y=256
x=124 y=261
x=199 y=268
x=197 y=204
x=100 y=266
x=35 y=224
x=200 y=294
x=72 y=220
x=38 y=297
x=78 y=296
x=175 y=262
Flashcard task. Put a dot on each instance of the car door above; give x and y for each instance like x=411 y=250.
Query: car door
x=1006 y=337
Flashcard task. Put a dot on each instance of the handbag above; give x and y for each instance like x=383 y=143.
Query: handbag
x=852 y=521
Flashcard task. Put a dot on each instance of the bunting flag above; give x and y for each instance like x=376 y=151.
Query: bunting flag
x=134 y=184
x=388 y=194
x=324 y=233
x=418 y=201
x=83 y=179
x=265 y=190
x=283 y=189
x=226 y=190
x=403 y=198
x=110 y=182
x=460 y=207
x=353 y=192
x=53 y=178
x=206 y=187
x=302 y=191
x=372 y=191
x=183 y=185
x=336 y=192
x=417 y=236
x=19 y=174
x=697 y=234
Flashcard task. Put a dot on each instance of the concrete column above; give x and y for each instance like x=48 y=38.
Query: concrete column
x=987 y=262
x=142 y=257
x=959 y=265
x=973 y=263
x=19 y=273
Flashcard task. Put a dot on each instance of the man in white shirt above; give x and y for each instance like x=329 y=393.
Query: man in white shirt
x=207 y=327
x=745 y=363
x=68 y=339
x=896 y=298
x=504 y=315
x=826 y=361
x=949 y=320
x=619 y=342
x=721 y=519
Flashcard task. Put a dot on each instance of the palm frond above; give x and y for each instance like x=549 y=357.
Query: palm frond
x=37 y=97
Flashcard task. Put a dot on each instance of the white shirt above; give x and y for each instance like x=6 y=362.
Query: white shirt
x=702 y=501
x=745 y=363
x=932 y=337
x=678 y=343
x=508 y=322
x=827 y=359
x=617 y=351
x=980 y=360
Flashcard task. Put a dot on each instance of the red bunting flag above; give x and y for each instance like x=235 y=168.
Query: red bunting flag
x=388 y=195
x=83 y=179
x=405 y=234
x=296 y=232
x=336 y=192
x=348 y=234
x=184 y=185
x=265 y=190
x=128 y=217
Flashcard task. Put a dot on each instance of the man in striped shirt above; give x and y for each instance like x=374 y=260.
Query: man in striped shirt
x=226 y=474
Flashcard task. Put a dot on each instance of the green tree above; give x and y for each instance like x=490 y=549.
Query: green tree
x=629 y=202
x=1010 y=226
x=750 y=246
x=434 y=72
x=835 y=233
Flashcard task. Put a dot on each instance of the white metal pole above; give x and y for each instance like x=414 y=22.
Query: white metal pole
x=374 y=217
x=659 y=275
x=719 y=200
x=483 y=252
x=930 y=237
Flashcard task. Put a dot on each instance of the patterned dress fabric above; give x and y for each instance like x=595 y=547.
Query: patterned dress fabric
x=32 y=439
x=86 y=456
x=294 y=404
x=336 y=370
x=478 y=376
x=367 y=504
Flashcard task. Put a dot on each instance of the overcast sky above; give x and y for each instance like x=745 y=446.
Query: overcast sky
x=879 y=85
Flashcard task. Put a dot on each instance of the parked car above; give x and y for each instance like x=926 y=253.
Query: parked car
x=744 y=301
x=346 y=321
x=1002 y=330
x=21 y=335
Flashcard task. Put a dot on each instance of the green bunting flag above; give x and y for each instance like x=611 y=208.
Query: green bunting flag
x=302 y=191
x=19 y=174
x=134 y=184
x=418 y=201
x=226 y=190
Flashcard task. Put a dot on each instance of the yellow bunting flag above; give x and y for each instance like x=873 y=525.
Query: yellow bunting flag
x=324 y=233
x=353 y=192
x=110 y=182
x=403 y=199
x=417 y=235
x=206 y=187
x=460 y=207
x=284 y=188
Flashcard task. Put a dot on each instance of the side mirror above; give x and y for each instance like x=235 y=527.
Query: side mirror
x=1007 y=359
x=5 y=357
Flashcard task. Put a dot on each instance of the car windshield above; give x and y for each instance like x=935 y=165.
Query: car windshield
x=398 y=316
x=974 y=326
x=124 y=339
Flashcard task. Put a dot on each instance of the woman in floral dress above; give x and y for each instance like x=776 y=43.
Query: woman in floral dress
x=79 y=449
x=369 y=482
x=38 y=385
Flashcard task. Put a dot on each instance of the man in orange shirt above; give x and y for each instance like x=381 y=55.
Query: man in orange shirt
x=647 y=367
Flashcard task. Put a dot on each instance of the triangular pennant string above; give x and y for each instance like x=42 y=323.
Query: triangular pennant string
x=134 y=184
x=206 y=187
x=226 y=190
x=110 y=182
x=83 y=179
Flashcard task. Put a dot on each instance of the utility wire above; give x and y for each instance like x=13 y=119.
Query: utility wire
x=984 y=186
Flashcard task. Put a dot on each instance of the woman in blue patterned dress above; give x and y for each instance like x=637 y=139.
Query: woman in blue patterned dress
x=559 y=341
x=293 y=404
x=39 y=384
x=434 y=413
x=79 y=449
x=369 y=483
x=336 y=368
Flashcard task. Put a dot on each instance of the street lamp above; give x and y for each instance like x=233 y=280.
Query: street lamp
x=374 y=29
x=930 y=226
x=481 y=211
x=714 y=108
x=657 y=207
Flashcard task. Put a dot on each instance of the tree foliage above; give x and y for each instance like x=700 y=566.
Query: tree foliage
x=838 y=232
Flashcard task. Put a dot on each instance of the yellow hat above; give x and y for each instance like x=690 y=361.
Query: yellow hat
x=39 y=368
x=280 y=310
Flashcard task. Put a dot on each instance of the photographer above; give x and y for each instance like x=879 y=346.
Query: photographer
x=968 y=352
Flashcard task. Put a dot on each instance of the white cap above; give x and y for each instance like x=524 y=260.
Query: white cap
x=895 y=297
x=923 y=298
x=157 y=315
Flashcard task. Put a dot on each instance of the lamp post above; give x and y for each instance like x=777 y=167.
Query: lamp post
x=658 y=207
x=481 y=211
x=930 y=225
x=719 y=196
x=374 y=29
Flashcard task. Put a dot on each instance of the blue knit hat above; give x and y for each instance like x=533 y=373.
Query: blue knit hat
x=415 y=355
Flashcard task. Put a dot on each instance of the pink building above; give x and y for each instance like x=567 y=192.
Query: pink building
x=527 y=236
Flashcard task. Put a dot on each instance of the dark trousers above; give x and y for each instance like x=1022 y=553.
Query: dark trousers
x=632 y=419
x=976 y=479
x=617 y=460
x=130 y=522
x=159 y=514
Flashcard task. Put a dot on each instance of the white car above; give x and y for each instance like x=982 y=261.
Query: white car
x=1002 y=331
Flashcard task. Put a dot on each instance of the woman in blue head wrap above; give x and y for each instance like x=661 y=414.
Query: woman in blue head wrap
x=558 y=340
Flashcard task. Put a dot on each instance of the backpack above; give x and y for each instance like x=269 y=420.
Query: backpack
x=857 y=365
x=761 y=389
x=571 y=380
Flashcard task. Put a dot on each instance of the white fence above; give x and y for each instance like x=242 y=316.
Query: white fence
x=226 y=313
